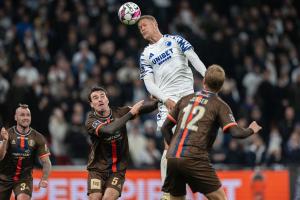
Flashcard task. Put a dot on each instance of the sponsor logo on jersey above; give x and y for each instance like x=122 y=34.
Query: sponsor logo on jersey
x=27 y=151
x=163 y=57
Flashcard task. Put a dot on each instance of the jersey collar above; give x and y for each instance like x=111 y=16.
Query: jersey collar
x=17 y=132
x=206 y=93
x=103 y=117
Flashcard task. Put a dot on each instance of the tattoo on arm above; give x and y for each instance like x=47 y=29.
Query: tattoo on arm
x=46 y=167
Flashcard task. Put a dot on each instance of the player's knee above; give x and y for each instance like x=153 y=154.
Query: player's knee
x=217 y=195
x=111 y=194
x=109 y=198
x=23 y=197
x=95 y=196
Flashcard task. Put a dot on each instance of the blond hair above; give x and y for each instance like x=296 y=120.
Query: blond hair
x=214 y=77
x=149 y=17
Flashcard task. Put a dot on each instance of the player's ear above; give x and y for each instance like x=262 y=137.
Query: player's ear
x=204 y=86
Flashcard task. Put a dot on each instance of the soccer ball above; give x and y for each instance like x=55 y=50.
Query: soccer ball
x=129 y=13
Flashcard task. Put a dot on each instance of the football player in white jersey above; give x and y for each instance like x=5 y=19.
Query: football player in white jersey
x=164 y=69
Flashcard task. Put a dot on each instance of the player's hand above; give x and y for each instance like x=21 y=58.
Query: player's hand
x=4 y=133
x=136 y=107
x=255 y=127
x=170 y=104
x=43 y=184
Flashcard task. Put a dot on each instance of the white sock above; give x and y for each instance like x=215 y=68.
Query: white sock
x=163 y=166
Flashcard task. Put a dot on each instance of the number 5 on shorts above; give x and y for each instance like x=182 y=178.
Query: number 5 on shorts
x=115 y=181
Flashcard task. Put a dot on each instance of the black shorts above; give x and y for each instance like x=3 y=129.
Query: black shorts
x=197 y=173
x=98 y=182
x=21 y=186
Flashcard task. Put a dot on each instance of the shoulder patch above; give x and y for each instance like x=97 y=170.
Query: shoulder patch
x=96 y=124
x=231 y=117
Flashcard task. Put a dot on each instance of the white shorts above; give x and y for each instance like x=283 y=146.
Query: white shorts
x=163 y=111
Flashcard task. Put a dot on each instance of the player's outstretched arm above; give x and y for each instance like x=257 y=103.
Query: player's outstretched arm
x=3 y=142
x=112 y=127
x=46 y=163
x=196 y=62
x=166 y=130
x=148 y=107
x=238 y=132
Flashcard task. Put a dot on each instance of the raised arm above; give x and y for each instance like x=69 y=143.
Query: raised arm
x=3 y=142
x=148 y=107
x=196 y=62
x=46 y=163
x=112 y=127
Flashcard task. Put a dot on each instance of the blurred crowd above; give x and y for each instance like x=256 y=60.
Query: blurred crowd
x=53 y=51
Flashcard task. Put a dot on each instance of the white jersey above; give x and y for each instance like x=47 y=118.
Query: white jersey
x=166 y=60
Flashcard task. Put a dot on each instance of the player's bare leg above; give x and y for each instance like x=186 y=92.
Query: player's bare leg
x=111 y=194
x=163 y=163
x=95 y=196
x=165 y=196
x=163 y=166
x=23 y=196
x=217 y=195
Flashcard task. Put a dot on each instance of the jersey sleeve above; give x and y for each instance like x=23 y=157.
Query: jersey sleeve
x=123 y=110
x=183 y=44
x=226 y=118
x=42 y=147
x=145 y=66
x=173 y=115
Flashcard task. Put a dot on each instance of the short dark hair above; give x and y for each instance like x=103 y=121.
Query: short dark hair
x=214 y=78
x=94 y=89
